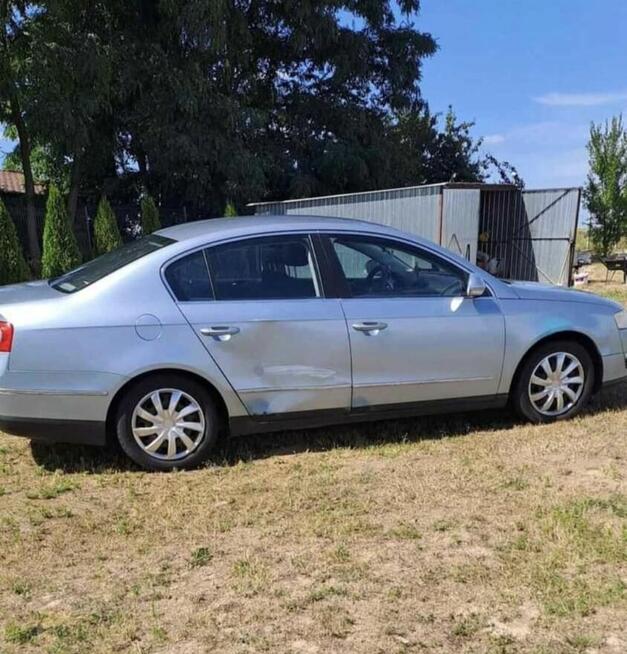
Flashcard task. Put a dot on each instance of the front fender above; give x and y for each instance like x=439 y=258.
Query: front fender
x=527 y=322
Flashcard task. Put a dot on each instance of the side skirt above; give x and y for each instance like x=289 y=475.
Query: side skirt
x=245 y=425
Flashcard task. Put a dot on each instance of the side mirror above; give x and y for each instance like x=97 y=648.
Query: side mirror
x=476 y=286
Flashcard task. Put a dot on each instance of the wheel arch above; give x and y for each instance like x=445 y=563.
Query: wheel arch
x=220 y=403
x=578 y=337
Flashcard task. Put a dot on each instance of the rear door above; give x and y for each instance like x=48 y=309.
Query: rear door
x=262 y=315
x=414 y=336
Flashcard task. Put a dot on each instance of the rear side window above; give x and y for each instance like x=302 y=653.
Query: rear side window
x=269 y=268
x=95 y=270
x=188 y=278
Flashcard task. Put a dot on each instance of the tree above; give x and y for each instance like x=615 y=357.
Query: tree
x=13 y=266
x=106 y=233
x=208 y=102
x=60 y=251
x=605 y=193
x=150 y=215
x=14 y=48
x=230 y=211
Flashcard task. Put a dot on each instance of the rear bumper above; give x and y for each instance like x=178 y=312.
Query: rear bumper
x=80 y=432
x=56 y=407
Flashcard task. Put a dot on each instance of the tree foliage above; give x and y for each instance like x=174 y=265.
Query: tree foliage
x=209 y=101
x=60 y=249
x=605 y=193
x=150 y=216
x=13 y=266
x=230 y=211
x=106 y=232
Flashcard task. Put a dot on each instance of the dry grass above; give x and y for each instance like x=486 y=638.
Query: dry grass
x=472 y=533
x=613 y=289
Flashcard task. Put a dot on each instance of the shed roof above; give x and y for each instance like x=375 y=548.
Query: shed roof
x=441 y=185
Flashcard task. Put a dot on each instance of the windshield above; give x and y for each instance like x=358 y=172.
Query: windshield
x=91 y=272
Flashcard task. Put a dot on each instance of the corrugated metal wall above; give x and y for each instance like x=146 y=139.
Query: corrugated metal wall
x=530 y=233
x=415 y=210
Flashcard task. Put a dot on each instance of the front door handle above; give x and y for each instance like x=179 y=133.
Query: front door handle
x=220 y=332
x=370 y=327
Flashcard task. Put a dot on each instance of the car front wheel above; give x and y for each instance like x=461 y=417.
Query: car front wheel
x=554 y=383
x=167 y=422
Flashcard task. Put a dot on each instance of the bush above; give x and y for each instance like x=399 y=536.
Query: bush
x=150 y=216
x=13 y=266
x=60 y=251
x=230 y=211
x=106 y=233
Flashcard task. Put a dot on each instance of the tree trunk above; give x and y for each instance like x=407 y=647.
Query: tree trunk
x=75 y=183
x=29 y=183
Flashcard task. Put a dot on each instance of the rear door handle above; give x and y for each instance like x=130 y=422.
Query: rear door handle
x=370 y=327
x=221 y=332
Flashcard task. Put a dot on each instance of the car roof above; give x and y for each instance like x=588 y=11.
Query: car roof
x=189 y=236
x=224 y=228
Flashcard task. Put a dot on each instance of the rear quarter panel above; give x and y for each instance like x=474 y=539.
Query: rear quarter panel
x=90 y=343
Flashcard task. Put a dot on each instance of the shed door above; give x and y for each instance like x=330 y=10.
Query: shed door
x=530 y=233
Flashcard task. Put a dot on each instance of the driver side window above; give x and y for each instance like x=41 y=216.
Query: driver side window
x=375 y=267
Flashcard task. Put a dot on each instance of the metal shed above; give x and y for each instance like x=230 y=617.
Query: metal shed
x=525 y=234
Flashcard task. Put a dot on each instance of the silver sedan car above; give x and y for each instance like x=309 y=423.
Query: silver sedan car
x=234 y=326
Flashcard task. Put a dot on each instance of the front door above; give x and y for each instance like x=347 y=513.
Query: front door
x=414 y=336
x=281 y=344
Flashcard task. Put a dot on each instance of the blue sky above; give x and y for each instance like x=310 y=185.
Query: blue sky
x=532 y=74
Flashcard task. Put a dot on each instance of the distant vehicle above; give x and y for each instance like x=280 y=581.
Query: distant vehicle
x=256 y=324
x=583 y=259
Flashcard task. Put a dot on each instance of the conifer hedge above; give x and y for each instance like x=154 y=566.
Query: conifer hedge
x=60 y=248
x=106 y=233
x=150 y=216
x=13 y=266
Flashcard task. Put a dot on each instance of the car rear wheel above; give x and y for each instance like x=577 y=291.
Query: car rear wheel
x=167 y=422
x=554 y=383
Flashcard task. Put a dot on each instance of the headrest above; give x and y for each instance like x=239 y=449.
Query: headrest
x=286 y=254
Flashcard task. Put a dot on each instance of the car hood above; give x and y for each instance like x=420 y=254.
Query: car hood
x=539 y=291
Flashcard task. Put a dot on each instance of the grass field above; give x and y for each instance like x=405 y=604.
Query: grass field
x=472 y=533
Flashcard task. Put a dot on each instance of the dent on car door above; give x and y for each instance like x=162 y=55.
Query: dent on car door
x=258 y=306
x=414 y=335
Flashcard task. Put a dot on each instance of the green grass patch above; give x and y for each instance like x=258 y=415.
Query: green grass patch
x=21 y=634
x=200 y=557
x=571 y=553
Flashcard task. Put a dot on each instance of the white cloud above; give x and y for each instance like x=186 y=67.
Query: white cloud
x=494 y=139
x=541 y=135
x=581 y=99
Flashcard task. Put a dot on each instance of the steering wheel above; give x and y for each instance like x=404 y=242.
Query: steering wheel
x=383 y=274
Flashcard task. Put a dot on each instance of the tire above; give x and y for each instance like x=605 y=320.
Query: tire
x=532 y=401
x=192 y=443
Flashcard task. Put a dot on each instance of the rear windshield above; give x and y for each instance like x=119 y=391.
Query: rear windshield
x=91 y=272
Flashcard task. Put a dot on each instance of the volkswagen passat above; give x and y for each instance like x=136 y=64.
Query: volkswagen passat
x=255 y=324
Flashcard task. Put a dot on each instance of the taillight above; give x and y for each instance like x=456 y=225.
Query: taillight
x=6 y=336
